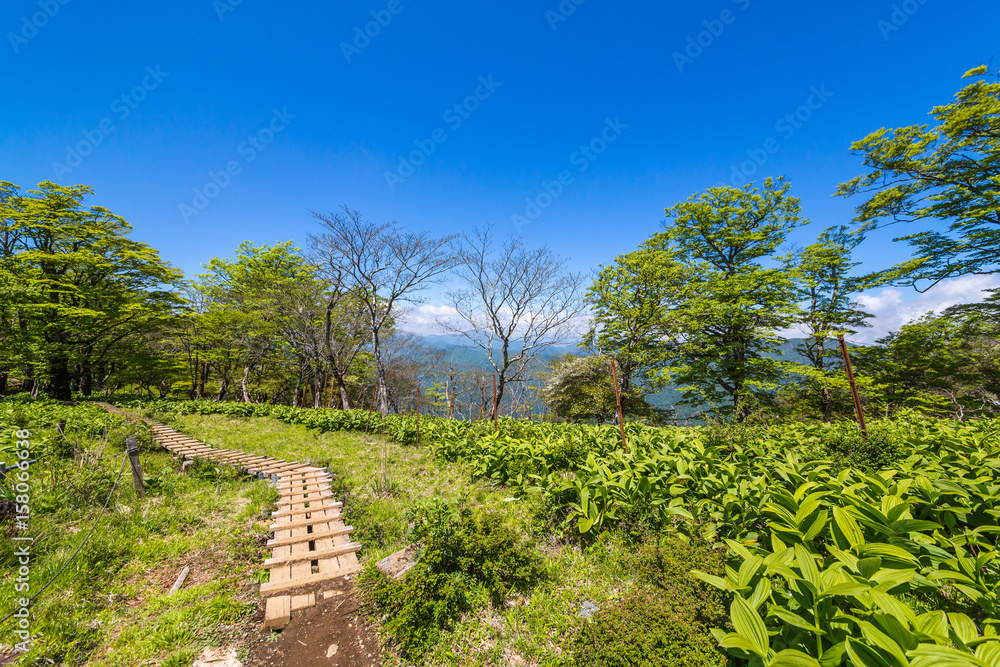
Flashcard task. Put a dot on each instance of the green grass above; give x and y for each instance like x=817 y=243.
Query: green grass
x=110 y=606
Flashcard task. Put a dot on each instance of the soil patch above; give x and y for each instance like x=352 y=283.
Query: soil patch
x=331 y=634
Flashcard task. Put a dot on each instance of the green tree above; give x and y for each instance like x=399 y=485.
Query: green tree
x=582 y=389
x=698 y=304
x=724 y=332
x=945 y=173
x=947 y=364
x=244 y=298
x=826 y=289
x=631 y=301
x=83 y=286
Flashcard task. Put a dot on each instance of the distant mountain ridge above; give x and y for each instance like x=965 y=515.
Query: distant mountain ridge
x=461 y=352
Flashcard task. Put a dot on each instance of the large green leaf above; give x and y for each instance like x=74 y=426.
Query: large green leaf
x=748 y=624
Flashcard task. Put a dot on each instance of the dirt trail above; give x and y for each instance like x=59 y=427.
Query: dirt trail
x=330 y=634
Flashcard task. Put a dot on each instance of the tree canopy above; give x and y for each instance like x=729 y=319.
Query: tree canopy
x=944 y=175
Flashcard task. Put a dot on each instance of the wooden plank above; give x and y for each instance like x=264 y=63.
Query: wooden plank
x=309 y=537
x=305 y=486
x=279 y=466
x=316 y=554
x=312 y=521
x=313 y=497
x=318 y=472
x=303 y=601
x=277 y=612
x=313 y=516
x=312 y=509
x=304 y=472
x=276 y=587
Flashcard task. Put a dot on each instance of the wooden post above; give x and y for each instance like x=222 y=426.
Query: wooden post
x=854 y=388
x=133 y=456
x=495 y=406
x=618 y=399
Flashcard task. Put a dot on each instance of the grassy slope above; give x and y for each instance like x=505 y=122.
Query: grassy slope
x=110 y=607
x=383 y=480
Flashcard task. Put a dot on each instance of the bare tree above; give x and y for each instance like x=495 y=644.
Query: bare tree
x=384 y=265
x=517 y=303
x=345 y=333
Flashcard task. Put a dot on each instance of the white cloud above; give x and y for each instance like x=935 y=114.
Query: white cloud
x=421 y=320
x=893 y=307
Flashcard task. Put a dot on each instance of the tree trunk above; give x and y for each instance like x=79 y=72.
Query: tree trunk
x=3 y=384
x=449 y=399
x=338 y=378
x=195 y=374
x=297 y=394
x=383 y=392
x=223 y=388
x=203 y=378
x=501 y=383
x=59 y=377
x=86 y=377
x=29 y=378
x=826 y=403
x=317 y=389
x=245 y=383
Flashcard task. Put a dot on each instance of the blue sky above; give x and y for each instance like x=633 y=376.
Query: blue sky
x=207 y=123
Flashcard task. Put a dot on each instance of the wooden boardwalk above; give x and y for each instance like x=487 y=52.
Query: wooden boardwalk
x=311 y=544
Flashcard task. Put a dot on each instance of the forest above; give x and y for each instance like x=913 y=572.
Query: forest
x=698 y=308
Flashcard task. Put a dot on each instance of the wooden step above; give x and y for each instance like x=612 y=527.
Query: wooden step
x=279 y=466
x=315 y=482
x=309 y=537
x=277 y=612
x=277 y=587
x=307 y=497
x=312 y=521
x=318 y=554
x=313 y=472
x=312 y=509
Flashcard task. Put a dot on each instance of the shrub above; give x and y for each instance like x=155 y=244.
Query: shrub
x=493 y=554
x=666 y=619
x=206 y=470
x=645 y=628
x=884 y=448
x=468 y=559
x=416 y=608
x=733 y=435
